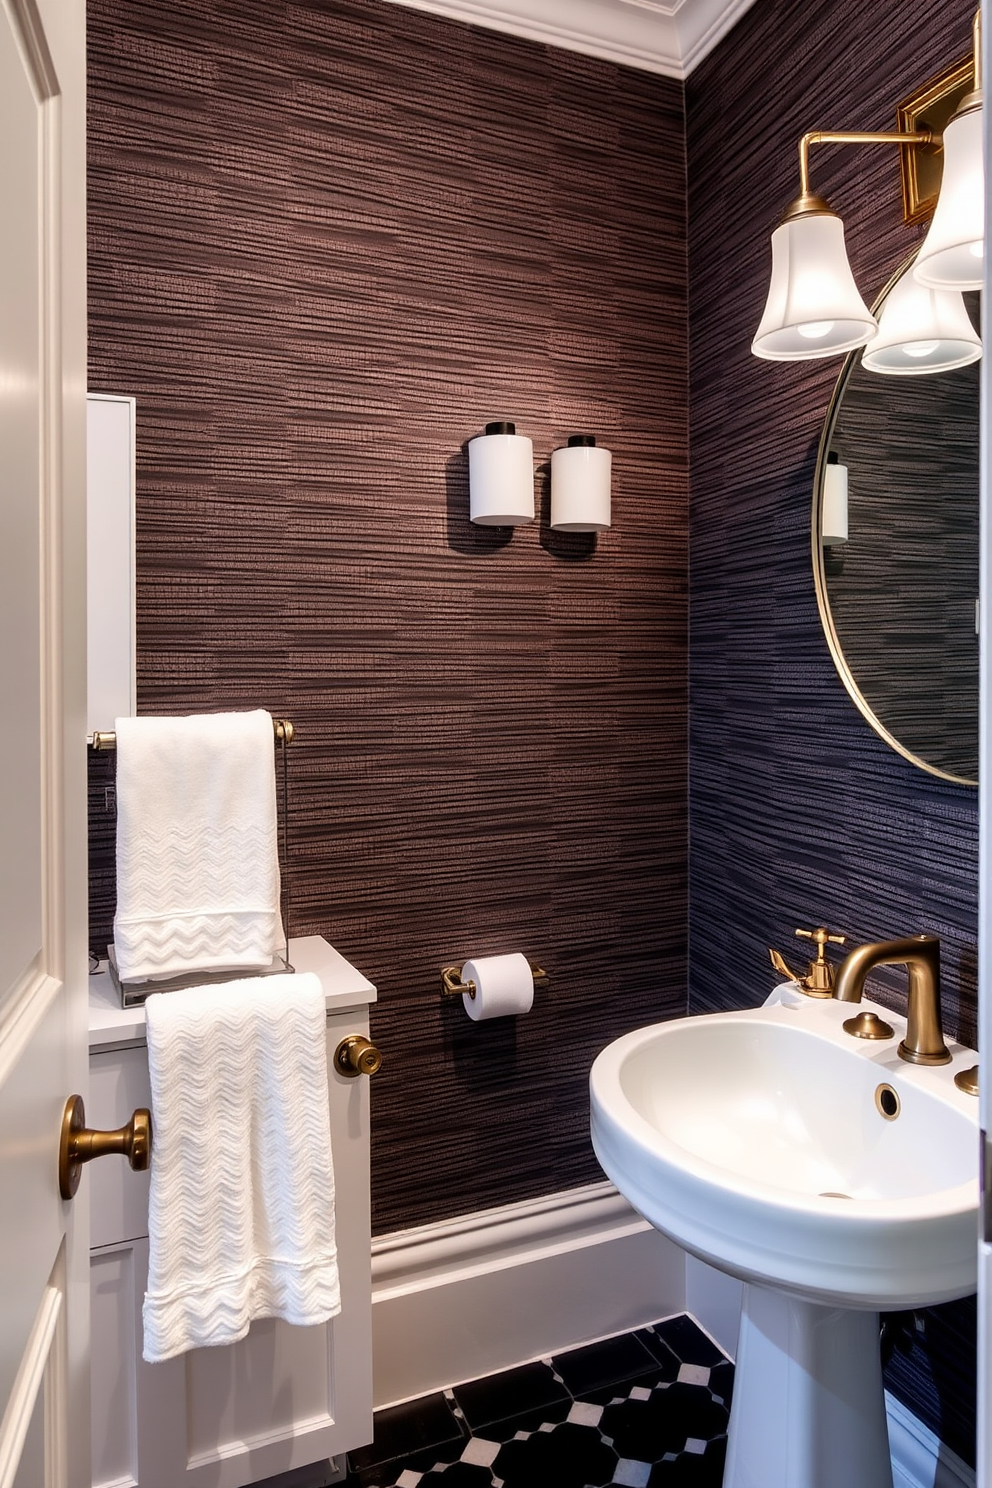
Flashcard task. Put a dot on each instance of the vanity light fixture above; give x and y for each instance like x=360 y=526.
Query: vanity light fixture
x=814 y=308
x=580 y=486
x=501 y=477
x=920 y=331
x=953 y=251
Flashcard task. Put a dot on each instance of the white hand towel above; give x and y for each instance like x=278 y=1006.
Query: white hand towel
x=197 y=850
x=241 y=1207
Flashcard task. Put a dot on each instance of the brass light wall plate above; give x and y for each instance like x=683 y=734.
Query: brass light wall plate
x=930 y=107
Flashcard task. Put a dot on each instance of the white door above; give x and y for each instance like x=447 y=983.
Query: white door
x=984 y=1461
x=44 y=1434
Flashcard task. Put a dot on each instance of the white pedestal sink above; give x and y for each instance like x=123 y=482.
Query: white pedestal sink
x=834 y=1178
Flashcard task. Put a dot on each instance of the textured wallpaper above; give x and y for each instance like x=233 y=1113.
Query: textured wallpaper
x=799 y=814
x=328 y=242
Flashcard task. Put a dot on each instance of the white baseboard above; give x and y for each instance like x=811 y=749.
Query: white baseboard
x=483 y=1292
x=919 y=1458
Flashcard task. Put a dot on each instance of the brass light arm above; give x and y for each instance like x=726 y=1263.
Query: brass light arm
x=808 y=201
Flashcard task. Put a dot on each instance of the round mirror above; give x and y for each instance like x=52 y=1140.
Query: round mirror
x=895 y=554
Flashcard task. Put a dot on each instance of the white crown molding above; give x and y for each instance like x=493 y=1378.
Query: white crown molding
x=670 y=37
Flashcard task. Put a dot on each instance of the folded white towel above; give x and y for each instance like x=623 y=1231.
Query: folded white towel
x=241 y=1208
x=197 y=850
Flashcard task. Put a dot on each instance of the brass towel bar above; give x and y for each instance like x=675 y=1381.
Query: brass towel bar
x=101 y=739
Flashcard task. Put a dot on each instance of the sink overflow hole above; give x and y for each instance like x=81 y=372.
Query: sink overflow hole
x=828 y=1194
x=887 y=1102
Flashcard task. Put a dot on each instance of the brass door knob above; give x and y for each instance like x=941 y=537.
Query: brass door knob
x=80 y=1144
x=356 y=1055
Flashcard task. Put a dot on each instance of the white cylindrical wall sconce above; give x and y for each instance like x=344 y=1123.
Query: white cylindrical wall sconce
x=501 y=477
x=833 y=513
x=580 y=486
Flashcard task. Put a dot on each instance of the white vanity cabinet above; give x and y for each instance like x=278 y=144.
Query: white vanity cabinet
x=283 y=1397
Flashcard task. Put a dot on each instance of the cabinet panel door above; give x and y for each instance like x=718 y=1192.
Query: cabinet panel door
x=280 y=1399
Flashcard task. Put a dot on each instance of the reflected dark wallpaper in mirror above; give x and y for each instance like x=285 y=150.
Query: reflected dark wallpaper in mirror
x=903 y=588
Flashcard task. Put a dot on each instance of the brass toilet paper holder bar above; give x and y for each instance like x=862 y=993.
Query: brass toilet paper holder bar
x=453 y=986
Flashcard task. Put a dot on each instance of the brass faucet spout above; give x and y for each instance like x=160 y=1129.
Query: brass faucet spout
x=920 y=954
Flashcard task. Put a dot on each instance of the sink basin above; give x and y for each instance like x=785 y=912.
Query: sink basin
x=829 y=1175
x=755 y=1140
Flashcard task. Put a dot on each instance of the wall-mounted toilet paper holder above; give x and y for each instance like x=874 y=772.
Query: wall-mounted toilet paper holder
x=453 y=986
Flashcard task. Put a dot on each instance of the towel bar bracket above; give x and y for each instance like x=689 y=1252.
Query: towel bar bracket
x=80 y=1144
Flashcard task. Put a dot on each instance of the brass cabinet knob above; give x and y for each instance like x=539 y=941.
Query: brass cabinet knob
x=80 y=1144
x=356 y=1055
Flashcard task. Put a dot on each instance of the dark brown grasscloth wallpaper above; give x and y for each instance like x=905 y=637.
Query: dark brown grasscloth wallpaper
x=328 y=241
x=800 y=814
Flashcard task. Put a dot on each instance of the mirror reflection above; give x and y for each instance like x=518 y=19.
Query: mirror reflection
x=896 y=563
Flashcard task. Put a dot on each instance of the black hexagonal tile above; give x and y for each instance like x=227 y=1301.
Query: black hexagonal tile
x=460 y=1475
x=647 y=1429
x=569 y=1456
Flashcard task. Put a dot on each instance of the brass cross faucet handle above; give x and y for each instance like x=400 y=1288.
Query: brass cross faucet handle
x=819 y=978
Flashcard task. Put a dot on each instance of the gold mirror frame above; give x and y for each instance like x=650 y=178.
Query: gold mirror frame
x=819 y=572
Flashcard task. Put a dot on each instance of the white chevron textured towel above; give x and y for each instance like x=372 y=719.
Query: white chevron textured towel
x=241 y=1208
x=197 y=851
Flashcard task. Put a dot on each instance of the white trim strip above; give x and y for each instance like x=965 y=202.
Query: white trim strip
x=670 y=39
x=24 y=1395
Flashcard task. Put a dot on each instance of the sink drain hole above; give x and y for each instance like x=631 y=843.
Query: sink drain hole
x=887 y=1102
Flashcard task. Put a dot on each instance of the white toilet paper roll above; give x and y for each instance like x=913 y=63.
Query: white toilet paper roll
x=504 y=985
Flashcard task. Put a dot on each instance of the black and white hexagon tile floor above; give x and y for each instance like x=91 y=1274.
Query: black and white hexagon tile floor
x=647 y=1410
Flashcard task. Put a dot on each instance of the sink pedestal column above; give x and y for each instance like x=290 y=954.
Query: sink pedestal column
x=809 y=1408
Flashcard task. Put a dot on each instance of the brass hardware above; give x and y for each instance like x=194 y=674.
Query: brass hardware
x=869 y=1026
x=967 y=1080
x=453 y=986
x=780 y=965
x=103 y=739
x=807 y=204
x=920 y=954
x=356 y=1055
x=79 y=1144
x=921 y=120
x=819 y=978
x=932 y=107
x=887 y=1102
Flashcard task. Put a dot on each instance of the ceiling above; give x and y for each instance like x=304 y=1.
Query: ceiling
x=666 y=36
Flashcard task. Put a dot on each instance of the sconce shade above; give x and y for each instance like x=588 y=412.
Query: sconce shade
x=580 y=486
x=501 y=477
x=922 y=331
x=953 y=251
x=833 y=513
x=813 y=307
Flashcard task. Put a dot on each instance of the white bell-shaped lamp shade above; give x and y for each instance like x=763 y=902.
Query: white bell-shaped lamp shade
x=813 y=307
x=921 y=331
x=953 y=251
